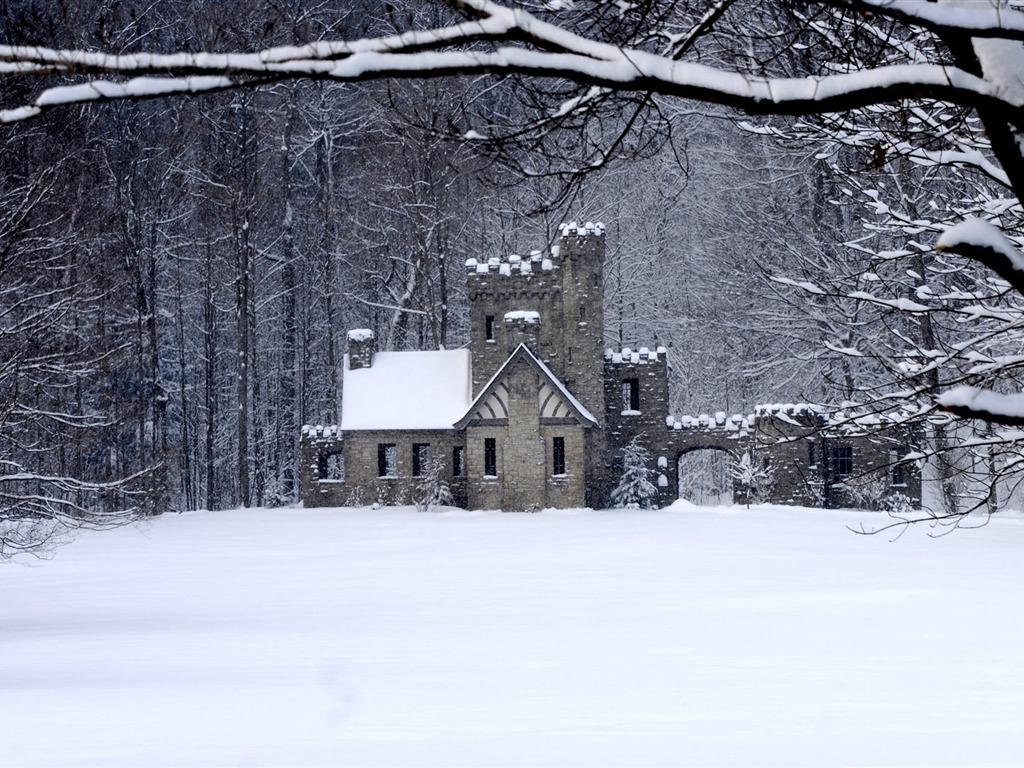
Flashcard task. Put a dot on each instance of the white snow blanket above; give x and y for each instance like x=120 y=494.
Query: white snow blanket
x=769 y=636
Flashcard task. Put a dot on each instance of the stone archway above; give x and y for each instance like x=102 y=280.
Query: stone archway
x=705 y=475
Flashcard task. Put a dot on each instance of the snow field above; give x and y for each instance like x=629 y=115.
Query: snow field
x=769 y=636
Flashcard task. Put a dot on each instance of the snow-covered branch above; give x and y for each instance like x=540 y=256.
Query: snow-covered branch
x=541 y=49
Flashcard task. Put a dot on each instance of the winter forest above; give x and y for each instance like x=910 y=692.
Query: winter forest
x=178 y=271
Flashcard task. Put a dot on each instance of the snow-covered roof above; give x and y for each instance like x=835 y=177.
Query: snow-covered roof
x=407 y=391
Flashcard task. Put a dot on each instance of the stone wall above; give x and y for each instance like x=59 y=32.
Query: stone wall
x=803 y=447
x=494 y=289
x=362 y=484
x=524 y=453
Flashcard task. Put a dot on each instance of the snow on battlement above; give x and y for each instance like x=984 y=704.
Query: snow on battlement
x=573 y=229
x=513 y=264
x=737 y=424
x=850 y=418
x=321 y=432
x=642 y=356
x=536 y=261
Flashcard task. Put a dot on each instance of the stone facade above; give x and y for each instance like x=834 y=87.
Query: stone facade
x=549 y=410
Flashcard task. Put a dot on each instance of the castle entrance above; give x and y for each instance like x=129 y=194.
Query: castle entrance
x=706 y=476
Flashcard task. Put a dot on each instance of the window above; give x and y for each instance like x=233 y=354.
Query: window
x=331 y=467
x=489 y=327
x=899 y=469
x=558 y=456
x=631 y=394
x=458 y=461
x=490 y=457
x=811 y=455
x=842 y=461
x=387 y=460
x=583 y=312
x=420 y=459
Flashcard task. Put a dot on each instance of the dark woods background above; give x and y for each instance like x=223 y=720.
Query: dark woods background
x=176 y=276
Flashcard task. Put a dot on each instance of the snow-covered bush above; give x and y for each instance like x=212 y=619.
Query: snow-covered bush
x=635 y=489
x=433 y=489
x=753 y=478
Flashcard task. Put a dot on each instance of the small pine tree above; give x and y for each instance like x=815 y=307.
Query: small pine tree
x=433 y=489
x=635 y=489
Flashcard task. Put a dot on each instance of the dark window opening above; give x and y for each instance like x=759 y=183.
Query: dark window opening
x=490 y=457
x=899 y=469
x=458 y=461
x=842 y=461
x=331 y=467
x=387 y=460
x=420 y=459
x=810 y=455
x=558 y=455
x=631 y=394
x=583 y=312
x=489 y=327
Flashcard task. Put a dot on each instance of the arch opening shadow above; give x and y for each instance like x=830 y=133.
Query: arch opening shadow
x=706 y=476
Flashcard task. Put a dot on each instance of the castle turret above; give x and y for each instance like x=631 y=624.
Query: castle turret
x=519 y=286
x=564 y=289
x=581 y=254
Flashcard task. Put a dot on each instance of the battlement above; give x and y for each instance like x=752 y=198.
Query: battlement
x=590 y=229
x=738 y=424
x=319 y=431
x=513 y=265
x=847 y=419
x=642 y=356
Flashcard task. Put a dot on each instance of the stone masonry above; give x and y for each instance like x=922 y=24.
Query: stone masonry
x=550 y=410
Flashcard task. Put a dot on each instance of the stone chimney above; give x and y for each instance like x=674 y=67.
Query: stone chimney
x=523 y=327
x=361 y=346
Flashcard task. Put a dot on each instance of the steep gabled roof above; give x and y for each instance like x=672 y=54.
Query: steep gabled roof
x=574 y=407
x=407 y=390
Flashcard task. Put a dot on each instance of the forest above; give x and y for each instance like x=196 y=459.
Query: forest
x=177 y=274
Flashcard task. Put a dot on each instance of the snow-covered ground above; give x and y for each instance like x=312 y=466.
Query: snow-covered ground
x=766 y=636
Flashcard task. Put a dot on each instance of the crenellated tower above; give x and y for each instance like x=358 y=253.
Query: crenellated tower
x=553 y=302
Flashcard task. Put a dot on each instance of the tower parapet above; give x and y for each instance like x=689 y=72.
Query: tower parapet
x=564 y=287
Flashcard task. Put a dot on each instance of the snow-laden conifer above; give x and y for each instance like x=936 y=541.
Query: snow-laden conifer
x=636 y=489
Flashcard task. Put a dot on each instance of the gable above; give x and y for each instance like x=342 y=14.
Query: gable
x=555 y=403
x=494 y=407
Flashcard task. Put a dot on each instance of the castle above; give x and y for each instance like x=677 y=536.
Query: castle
x=536 y=412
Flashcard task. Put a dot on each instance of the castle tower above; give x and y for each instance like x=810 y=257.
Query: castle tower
x=581 y=255
x=563 y=294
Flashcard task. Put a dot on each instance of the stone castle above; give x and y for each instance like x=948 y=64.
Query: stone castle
x=537 y=411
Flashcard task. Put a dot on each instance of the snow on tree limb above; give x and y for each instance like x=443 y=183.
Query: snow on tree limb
x=986 y=20
x=985 y=243
x=993 y=407
x=541 y=49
